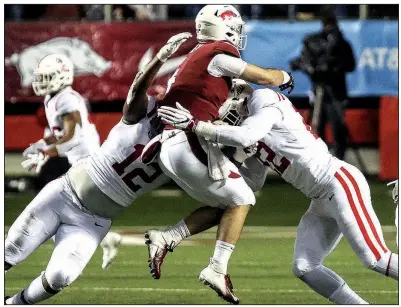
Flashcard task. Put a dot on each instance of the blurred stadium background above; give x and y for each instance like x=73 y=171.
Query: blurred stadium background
x=108 y=44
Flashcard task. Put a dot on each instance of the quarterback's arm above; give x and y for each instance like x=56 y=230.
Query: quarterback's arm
x=68 y=139
x=264 y=76
x=229 y=66
x=252 y=129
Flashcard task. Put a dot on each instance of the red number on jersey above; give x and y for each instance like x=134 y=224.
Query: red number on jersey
x=137 y=172
x=266 y=155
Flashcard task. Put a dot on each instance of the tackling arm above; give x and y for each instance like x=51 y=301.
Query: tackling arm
x=252 y=129
x=136 y=104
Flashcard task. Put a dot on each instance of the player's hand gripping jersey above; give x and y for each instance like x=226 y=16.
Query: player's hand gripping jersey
x=86 y=139
x=285 y=142
x=197 y=85
x=116 y=168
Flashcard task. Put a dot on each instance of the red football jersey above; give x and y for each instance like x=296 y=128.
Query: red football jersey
x=194 y=88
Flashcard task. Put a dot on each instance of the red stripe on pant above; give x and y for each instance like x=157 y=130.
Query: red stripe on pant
x=365 y=212
x=357 y=217
x=388 y=265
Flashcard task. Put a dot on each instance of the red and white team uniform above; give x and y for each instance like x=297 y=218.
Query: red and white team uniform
x=117 y=168
x=196 y=85
x=202 y=84
x=341 y=203
x=78 y=207
x=86 y=139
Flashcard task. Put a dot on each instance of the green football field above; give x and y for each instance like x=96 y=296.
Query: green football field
x=260 y=266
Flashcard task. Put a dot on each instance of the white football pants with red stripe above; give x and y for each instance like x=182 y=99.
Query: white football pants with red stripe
x=346 y=210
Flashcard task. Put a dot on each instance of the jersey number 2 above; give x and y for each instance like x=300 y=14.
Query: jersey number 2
x=266 y=155
x=136 y=172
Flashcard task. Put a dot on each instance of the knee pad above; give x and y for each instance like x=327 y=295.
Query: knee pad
x=302 y=266
x=59 y=279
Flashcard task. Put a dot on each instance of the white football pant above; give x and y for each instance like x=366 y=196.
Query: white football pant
x=55 y=211
x=346 y=211
x=178 y=160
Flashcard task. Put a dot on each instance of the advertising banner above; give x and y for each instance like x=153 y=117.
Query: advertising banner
x=106 y=56
x=374 y=44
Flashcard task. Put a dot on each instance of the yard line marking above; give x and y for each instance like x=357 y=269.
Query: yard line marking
x=206 y=290
x=188 y=262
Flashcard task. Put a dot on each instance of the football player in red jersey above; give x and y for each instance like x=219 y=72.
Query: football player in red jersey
x=202 y=82
x=201 y=85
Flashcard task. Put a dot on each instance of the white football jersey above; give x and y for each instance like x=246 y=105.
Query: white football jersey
x=291 y=148
x=67 y=101
x=116 y=168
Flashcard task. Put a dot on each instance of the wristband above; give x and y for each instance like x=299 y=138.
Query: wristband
x=206 y=130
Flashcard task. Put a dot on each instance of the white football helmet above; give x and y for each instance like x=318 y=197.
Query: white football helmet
x=53 y=73
x=235 y=108
x=220 y=23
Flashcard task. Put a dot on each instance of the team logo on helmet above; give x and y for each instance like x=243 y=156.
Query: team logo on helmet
x=228 y=15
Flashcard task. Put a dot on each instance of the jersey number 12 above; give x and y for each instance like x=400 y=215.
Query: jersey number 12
x=136 y=172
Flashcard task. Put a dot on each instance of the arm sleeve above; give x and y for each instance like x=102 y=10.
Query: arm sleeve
x=252 y=129
x=226 y=65
x=67 y=104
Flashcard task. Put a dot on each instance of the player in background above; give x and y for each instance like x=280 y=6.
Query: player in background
x=341 y=203
x=72 y=134
x=79 y=207
x=201 y=84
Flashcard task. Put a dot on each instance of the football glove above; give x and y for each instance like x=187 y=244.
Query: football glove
x=172 y=45
x=289 y=85
x=35 y=161
x=179 y=117
x=35 y=148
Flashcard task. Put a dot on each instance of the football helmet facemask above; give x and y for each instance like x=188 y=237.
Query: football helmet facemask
x=53 y=73
x=234 y=109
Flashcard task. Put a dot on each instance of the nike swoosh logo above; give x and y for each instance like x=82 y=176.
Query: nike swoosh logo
x=331 y=197
x=96 y=224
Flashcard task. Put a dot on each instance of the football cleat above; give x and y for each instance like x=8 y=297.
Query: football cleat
x=220 y=283
x=110 y=245
x=157 y=249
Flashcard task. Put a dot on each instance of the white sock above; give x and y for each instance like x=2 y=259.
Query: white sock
x=346 y=296
x=221 y=256
x=33 y=294
x=388 y=265
x=175 y=234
